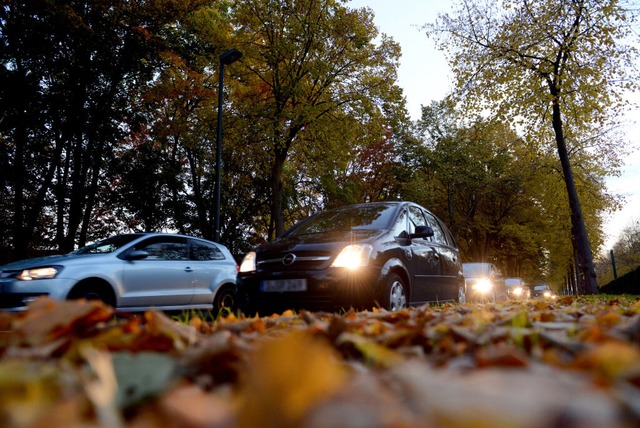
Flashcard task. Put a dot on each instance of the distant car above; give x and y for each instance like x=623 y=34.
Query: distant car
x=131 y=272
x=543 y=290
x=517 y=289
x=484 y=282
x=384 y=254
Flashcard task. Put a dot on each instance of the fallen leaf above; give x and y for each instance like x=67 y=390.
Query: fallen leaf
x=287 y=376
x=48 y=319
x=611 y=360
x=372 y=352
x=501 y=355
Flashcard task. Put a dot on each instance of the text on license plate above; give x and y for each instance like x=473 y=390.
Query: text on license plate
x=282 y=285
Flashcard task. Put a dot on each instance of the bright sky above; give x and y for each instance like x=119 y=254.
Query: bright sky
x=424 y=76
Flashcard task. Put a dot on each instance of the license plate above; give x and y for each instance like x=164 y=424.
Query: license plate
x=283 y=285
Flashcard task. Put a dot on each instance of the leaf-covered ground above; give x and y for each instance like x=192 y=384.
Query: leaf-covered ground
x=572 y=362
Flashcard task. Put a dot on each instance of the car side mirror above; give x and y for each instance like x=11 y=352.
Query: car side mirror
x=422 y=232
x=137 y=255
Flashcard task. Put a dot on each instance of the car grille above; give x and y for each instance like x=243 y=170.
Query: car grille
x=10 y=301
x=293 y=262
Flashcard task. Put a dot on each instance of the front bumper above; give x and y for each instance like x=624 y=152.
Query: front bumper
x=327 y=290
x=15 y=295
x=517 y=295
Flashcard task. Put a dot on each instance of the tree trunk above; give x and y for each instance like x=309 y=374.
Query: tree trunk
x=585 y=269
x=20 y=241
x=276 y=189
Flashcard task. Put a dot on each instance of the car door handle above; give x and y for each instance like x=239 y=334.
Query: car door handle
x=188 y=269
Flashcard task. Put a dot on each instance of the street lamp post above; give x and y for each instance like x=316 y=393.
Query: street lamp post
x=226 y=58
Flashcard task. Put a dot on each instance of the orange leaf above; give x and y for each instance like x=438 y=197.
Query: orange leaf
x=501 y=355
x=288 y=376
x=609 y=318
x=48 y=319
x=611 y=360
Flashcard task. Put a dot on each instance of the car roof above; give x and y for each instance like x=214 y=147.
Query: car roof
x=179 y=235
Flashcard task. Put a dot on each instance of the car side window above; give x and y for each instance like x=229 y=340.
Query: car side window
x=400 y=228
x=165 y=248
x=450 y=239
x=203 y=251
x=438 y=233
x=416 y=218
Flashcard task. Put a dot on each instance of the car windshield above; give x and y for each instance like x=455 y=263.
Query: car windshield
x=107 y=245
x=513 y=282
x=475 y=269
x=360 y=217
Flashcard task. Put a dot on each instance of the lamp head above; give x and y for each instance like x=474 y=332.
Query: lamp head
x=230 y=56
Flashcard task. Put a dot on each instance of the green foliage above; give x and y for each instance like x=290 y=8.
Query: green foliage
x=96 y=95
x=71 y=73
x=558 y=70
x=314 y=83
x=488 y=185
x=507 y=55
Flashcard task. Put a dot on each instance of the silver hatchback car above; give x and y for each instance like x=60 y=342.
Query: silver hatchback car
x=131 y=272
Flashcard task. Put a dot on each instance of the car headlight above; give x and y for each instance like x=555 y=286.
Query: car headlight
x=483 y=286
x=547 y=293
x=353 y=256
x=517 y=291
x=249 y=262
x=39 y=273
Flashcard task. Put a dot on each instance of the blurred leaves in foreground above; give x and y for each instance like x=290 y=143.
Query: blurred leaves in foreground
x=569 y=362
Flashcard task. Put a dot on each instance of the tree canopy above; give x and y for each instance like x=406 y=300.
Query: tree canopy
x=315 y=80
x=108 y=124
x=558 y=67
x=70 y=71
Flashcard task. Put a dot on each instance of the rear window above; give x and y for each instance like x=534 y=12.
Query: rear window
x=204 y=251
x=476 y=269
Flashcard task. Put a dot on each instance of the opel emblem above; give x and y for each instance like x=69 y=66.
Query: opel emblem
x=289 y=259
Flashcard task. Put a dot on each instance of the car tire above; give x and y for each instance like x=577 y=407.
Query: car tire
x=394 y=295
x=94 y=291
x=226 y=300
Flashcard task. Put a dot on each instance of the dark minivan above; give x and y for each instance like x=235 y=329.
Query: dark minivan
x=383 y=254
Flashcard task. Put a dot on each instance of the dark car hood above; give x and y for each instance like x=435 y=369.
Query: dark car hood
x=40 y=261
x=320 y=241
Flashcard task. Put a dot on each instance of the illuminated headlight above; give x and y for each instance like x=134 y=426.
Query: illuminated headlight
x=483 y=286
x=547 y=294
x=249 y=262
x=353 y=256
x=517 y=291
x=38 y=273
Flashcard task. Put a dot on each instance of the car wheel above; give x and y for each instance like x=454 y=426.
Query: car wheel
x=395 y=293
x=226 y=299
x=94 y=291
x=462 y=295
